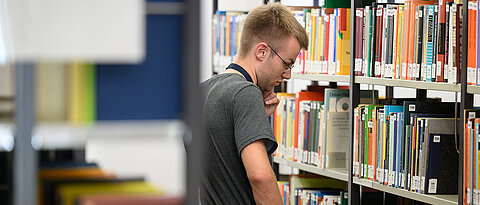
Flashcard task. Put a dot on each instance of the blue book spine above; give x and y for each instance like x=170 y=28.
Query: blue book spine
x=395 y=150
x=379 y=142
x=400 y=149
x=430 y=18
x=233 y=37
x=217 y=34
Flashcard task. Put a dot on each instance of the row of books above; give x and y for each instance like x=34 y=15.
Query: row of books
x=312 y=126
x=312 y=190
x=328 y=32
x=309 y=189
x=284 y=187
x=226 y=36
x=420 y=40
x=471 y=156
x=410 y=145
x=72 y=183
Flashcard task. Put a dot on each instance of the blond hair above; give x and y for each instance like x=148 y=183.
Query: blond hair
x=272 y=24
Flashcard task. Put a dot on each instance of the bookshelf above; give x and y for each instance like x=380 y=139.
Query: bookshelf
x=355 y=184
x=322 y=77
x=386 y=82
x=334 y=174
x=408 y=84
x=343 y=176
x=473 y=89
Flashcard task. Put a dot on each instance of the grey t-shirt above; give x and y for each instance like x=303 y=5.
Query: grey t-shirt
x=234 y=117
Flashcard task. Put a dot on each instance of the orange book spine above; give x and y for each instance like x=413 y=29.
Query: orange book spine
x=227 y=34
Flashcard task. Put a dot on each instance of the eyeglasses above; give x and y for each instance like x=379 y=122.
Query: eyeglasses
x=288 y=66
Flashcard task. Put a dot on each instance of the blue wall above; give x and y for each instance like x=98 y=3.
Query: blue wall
x=152 y=89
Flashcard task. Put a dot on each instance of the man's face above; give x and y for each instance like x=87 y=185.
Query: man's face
x=274 y=70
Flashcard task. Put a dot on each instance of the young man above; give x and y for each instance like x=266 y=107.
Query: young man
x=237 y=104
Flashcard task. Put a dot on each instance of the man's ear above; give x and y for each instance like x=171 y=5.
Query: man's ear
x=261 y=51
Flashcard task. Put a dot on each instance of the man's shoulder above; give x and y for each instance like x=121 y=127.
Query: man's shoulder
x=226 y=82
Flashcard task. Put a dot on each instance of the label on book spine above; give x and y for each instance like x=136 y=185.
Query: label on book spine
x=391 y=178
x=429 y=72
x=370 y=172
x=379 y=175
x=439 y=68
x=377 y=68
x=402 y=180
x=295 y=154
x=475 y=196
x=422 y=184
x=417 y=71
x=410 y=70
x=404 y=70
x=409 y=180
x=478 y=76
x=454 y=75
x=319 y=161
x=411 y=108
x=365 y=170
x=434 y=71
x=468 y=195
x=471 y=114
x=432 y=186
x=359 y=13
x=385 y=176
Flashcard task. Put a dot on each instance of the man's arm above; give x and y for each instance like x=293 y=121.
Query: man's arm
x=260 y=174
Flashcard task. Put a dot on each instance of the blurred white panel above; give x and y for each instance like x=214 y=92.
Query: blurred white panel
x=235 y=5
x=6 y=137
x=109 y=31
x=157 y=153
x=297 y=2
x=400 y=92
x=297 y=85
x=206 y=11
x=444 y=95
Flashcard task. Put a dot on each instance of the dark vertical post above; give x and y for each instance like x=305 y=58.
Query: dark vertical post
x=466 y=99
x=194 y=139
x=353 y=189
x=24 y=156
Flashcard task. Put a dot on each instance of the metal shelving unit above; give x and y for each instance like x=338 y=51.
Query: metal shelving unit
x=334 y=174
x=431 y=199
x=322 y=77
x=343 y=176
x=408 y=84
x=355 y=184
x=387 y=82
x=473 y=89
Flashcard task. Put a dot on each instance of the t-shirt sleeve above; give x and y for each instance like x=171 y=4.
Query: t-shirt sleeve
x=251 y=121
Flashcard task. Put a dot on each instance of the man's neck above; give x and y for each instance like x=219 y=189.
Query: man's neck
x=247 y=67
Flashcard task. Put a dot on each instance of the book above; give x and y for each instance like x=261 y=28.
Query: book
x=441 y=171
x=337 y=137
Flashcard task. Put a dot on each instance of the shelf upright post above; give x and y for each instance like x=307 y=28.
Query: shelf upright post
x=24 y=156
x=466 y=100
x=421 y=94
x=354 y=93
x=194 y=138
x=389 y=92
